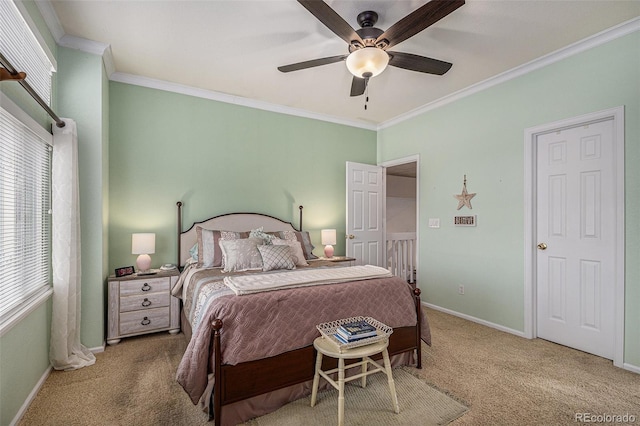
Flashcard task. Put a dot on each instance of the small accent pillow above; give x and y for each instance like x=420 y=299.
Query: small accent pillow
x=209 y=252
x=296 y=250
x=276 y=257
x=193 y=251
x=259 y=233
x=303 y=238
x=241 y=255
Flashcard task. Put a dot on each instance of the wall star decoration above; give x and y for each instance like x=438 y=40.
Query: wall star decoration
x=464 y=199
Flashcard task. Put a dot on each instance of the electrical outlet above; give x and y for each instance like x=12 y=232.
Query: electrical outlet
x=461 y=289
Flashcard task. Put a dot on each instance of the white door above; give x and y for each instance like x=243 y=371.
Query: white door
x=576 y=227
x=365 y=197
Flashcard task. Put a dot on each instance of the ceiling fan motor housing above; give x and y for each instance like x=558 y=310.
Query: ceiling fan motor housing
x=368 y=18
x=368 y=33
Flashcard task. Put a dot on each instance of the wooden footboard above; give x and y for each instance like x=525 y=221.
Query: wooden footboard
x=248 y=379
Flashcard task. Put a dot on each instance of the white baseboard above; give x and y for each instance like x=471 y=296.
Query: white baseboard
x=31 y=396
x=631 y=367
x=476 y=320
x=97 y=349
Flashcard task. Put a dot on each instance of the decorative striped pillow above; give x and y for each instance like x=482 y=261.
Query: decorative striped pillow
x=209 y=251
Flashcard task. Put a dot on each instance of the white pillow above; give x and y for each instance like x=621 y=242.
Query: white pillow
x=296 y=250
x=241 y=255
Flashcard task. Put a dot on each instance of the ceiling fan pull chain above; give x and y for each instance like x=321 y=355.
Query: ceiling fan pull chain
x=366 y=92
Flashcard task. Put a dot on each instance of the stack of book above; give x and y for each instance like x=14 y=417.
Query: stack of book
x=356 y=330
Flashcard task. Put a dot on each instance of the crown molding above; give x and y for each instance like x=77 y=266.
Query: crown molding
x=109 y=64
x=83 y=44
x=595 y=40
x=55 y=27
x=98 y=48
x=233 y=99
x=51 y=19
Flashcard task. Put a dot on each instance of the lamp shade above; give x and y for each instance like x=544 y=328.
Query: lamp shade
x=328 y=236
x=144 y=243
x=369 y=60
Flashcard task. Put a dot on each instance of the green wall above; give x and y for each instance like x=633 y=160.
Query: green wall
x=24 y=359
x=482 y=136
x=220 y=158
x=83 y=96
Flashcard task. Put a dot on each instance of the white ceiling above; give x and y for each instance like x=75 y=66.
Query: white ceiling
x=234 y=47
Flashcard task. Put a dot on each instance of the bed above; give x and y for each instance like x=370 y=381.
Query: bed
x=250 y=351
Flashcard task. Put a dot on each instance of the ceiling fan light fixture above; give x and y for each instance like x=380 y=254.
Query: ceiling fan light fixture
x=368 y=60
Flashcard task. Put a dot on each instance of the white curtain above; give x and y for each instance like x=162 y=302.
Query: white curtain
x=66 y=352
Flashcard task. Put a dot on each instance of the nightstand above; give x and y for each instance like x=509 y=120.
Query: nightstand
x=141 y=304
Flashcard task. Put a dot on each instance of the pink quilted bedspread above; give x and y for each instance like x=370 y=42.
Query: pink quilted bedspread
x=267 y=324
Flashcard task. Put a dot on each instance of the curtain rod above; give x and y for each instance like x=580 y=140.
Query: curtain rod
x=20 y=77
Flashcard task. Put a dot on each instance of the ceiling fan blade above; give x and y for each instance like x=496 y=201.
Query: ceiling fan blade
x=412 y=62
x=418 y=20
x=331 y=20
x=358 y=85
x=312 y=63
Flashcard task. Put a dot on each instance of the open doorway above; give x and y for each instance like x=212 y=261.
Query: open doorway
x=401 y=217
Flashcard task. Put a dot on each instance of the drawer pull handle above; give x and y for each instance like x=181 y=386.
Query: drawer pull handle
x=146 y=302
x=146 y=287
x=145 y=321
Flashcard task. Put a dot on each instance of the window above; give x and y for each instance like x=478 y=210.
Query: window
x=25 y=174
x=25 y=220
x=20 y=46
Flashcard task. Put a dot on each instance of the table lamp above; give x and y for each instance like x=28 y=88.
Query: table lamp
x=328 y=237
x=143 y=244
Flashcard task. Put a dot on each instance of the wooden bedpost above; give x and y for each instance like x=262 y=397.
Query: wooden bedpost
x=416 y=292
x=215 y=403
x=300 y=208
x=179 y=204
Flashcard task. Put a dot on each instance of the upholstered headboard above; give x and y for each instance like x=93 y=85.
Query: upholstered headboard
x=238 y=222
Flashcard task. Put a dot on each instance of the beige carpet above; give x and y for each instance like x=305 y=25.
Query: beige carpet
x=504 y=379
x=509 y=380
x=371 y=406
x=133 y=383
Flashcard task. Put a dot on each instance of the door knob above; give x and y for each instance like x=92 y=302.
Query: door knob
x=351 y=236
x=542 y=246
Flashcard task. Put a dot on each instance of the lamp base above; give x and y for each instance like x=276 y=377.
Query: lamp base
x=143 y=262
x=328 y=251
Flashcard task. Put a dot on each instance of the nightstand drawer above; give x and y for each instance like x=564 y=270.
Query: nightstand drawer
x=147 y=301
x=143 y=321
x=144 y=286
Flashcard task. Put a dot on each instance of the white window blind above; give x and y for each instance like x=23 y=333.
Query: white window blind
x=19 y=45
x=25 y=220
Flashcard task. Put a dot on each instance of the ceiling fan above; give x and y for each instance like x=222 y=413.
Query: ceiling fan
x=368 y=55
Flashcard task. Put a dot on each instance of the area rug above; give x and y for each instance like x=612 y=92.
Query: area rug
x=420 y=404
